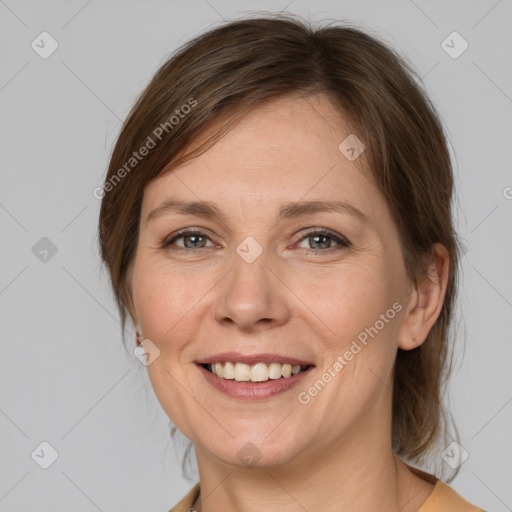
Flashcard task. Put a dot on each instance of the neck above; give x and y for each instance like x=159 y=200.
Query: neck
x=358 y=472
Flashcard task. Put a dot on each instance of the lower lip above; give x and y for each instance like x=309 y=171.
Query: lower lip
x=253 y=390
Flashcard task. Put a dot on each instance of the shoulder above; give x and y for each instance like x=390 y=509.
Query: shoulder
x=187 y=502
x=445 y=499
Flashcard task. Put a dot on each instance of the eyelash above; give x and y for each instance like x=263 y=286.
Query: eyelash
x=342 y=241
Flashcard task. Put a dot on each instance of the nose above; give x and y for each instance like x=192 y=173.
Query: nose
x=252 y=296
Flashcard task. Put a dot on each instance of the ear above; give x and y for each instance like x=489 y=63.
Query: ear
x=136 y=328
x=130 y=306
x=425 y=300
x=132 y=315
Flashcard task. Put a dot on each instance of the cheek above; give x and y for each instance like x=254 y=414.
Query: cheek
x=167 y=301
x=348 y=300
x=361 y=310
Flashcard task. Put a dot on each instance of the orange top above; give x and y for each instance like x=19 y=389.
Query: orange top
x=442 y=499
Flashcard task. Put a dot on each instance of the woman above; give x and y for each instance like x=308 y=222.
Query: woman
x=276 y=221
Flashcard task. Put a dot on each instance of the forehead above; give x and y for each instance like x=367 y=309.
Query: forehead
x=285 y=151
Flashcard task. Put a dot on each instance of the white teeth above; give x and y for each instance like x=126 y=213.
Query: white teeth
x=242 y=372
x=229 y=371
x=259 y=372
x=274 y=371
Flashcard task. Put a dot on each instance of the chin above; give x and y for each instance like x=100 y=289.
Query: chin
x=256 y=451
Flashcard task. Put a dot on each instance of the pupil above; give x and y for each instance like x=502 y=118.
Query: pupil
x=316 y=237
x=190 y=237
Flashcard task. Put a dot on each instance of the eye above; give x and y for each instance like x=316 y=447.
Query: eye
x=192 y=239
x=321 y=240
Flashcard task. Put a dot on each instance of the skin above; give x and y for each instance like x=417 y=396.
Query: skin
x=311 y=306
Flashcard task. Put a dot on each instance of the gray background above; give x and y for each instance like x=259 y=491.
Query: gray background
x=65 y=377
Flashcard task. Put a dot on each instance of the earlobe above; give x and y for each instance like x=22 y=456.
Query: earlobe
x=137 y=329
x=425 y=301
x=138 y=337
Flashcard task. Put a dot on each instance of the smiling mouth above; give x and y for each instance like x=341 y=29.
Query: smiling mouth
x=259 y=372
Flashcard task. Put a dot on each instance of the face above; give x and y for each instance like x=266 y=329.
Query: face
x=271 y=283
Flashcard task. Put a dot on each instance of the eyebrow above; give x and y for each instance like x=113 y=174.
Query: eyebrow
x=207 y=209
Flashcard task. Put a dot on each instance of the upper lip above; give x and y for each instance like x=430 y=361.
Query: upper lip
x=250 y=359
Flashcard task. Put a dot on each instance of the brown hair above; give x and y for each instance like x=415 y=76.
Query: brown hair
x=230 y=70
